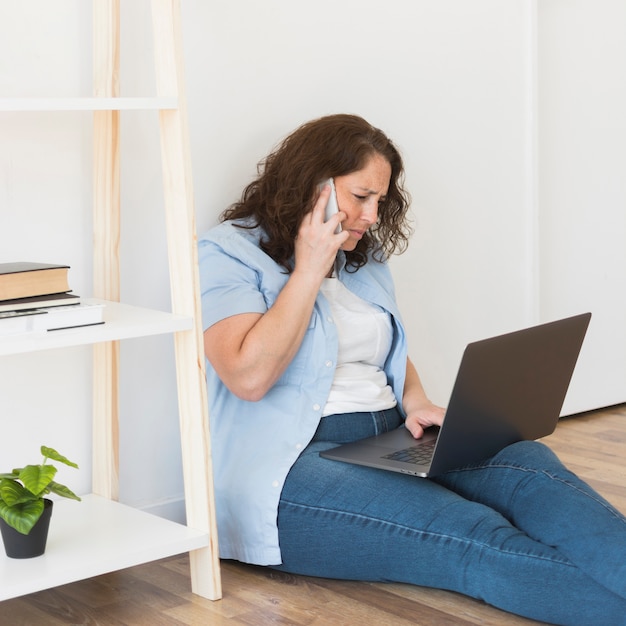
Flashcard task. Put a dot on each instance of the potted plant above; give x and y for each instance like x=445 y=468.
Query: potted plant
x=24 y=510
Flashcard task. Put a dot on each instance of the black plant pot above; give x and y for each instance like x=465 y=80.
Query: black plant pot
x=18 y=546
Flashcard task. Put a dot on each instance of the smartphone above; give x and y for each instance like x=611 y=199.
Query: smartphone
x=332 y=207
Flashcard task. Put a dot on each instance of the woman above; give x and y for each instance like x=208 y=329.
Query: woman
x=306 y=350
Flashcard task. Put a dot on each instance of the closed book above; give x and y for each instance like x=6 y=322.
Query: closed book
x=24 y=279
x=60 y=317
x=39 y=302
x=17 y=322
x=55 y=318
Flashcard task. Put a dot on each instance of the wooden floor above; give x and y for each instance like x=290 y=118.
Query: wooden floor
x=592 y=444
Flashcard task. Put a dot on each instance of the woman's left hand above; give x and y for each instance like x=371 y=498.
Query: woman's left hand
x=419 y=419
x=420 y=411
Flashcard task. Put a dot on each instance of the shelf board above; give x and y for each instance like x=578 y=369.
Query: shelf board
x=16 y=105
x=94 y=537
x=122 y=321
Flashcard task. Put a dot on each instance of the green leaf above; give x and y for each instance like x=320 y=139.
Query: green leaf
x=13 y=493
x=22 y=517
x=36 y=478
x=62 y=490
x=51 y=453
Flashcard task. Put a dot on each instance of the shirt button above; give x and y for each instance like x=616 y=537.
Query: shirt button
x=298 y=446
x=316 y=407
x=330 y=320
x=275 y=483
x=329 y=363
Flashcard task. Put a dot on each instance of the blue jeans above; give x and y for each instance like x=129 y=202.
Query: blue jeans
x=518 y=531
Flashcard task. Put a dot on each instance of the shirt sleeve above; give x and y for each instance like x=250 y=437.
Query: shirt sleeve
x=228 y=284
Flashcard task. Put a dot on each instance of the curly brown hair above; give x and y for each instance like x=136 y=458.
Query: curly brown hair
x=288 y=182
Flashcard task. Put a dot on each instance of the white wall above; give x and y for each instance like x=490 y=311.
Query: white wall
x=582 y=184
x=448 y=82
x=452 y=82
x=45 y=198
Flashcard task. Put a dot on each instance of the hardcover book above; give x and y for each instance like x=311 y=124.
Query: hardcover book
x=61 y=317
x=55 y=318
x=39 y=302
x=24 y=279
x=16 y=322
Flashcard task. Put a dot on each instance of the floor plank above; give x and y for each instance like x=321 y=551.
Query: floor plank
x=592 y=444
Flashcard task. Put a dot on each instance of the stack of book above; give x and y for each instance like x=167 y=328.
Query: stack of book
x=35 y=297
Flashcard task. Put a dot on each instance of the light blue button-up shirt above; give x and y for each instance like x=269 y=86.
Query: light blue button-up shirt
x=254 y=444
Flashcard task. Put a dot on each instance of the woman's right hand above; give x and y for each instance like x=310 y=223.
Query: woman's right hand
x=317 y=244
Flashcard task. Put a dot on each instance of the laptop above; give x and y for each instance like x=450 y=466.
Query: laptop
x=508 y=388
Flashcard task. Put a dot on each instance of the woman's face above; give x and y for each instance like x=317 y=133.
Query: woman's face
x=359 y=194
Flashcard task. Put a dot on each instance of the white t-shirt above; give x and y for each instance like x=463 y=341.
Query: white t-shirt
x=365 y=336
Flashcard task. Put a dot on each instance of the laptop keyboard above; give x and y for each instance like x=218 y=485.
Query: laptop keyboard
x=417 y=455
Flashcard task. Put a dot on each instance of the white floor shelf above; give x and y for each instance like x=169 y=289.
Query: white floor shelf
x=86 y=104
x=100 y=535
x=94 y=537
x=122 y=321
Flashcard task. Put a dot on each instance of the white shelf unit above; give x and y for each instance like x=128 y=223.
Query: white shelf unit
x=100 y=535
x=122 y=321
x=17 y=105
x=94 y=537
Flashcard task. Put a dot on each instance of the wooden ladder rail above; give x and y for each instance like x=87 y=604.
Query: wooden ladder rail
x=183 y=266
x=106 y=240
